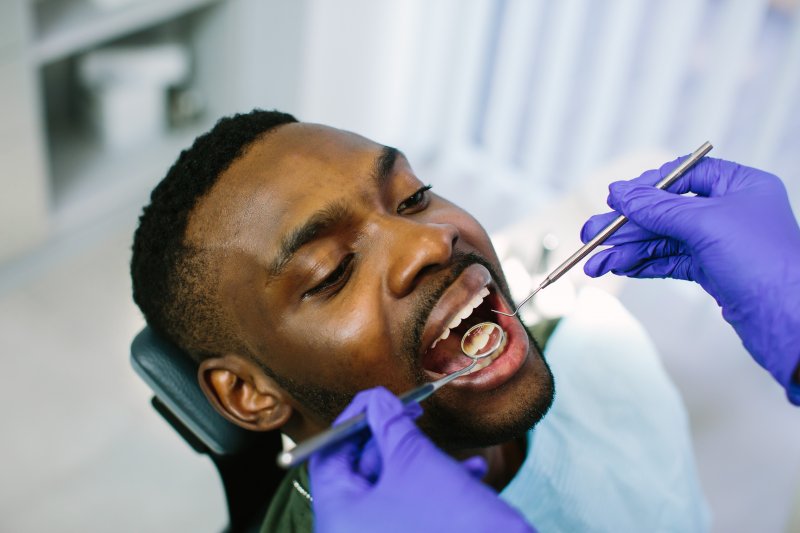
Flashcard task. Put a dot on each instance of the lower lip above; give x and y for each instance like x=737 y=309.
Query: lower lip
x=507 y=363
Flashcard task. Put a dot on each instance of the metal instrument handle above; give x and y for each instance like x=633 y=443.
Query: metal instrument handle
x=358 y=423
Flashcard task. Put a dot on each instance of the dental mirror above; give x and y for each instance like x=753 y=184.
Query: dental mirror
x=480 y=341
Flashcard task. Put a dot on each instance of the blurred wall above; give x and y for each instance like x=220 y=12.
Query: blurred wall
x=524 y=98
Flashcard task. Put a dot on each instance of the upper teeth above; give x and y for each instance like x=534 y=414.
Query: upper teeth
x=462 y=314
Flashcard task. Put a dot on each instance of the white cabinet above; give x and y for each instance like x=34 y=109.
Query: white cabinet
x=24 y=197
x=58 y=174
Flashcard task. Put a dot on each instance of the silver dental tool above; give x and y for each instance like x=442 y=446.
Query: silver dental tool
x=609 y=230
x=351 y=426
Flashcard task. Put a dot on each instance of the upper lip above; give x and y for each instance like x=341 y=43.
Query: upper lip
x=458 y=294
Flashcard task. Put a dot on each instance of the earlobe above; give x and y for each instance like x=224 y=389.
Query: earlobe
x=243 y=394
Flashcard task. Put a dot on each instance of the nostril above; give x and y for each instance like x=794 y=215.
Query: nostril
x=428 y=269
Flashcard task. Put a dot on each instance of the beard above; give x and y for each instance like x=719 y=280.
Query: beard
x=449 y=427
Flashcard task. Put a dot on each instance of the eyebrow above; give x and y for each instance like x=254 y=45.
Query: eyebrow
x=330 y=216
x=318 y=224
x=384 y=164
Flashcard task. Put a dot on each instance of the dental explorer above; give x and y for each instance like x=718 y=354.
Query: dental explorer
x=609 y=230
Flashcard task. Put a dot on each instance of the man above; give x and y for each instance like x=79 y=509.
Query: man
x=300 y=264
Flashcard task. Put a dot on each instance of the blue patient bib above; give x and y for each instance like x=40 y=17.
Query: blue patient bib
x=614 y=453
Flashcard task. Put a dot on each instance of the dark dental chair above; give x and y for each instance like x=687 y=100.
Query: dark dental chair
x=244 y=459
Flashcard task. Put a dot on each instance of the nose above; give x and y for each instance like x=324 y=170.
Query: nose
x=415 y=249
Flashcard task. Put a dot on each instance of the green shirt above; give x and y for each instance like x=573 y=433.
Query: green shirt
x=290 y=510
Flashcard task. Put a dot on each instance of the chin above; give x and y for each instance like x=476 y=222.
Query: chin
x=506 y=414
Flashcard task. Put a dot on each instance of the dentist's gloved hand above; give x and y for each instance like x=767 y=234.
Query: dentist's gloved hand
x=398 y=480
x=737 y=238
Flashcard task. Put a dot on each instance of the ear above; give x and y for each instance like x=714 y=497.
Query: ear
x=243 y=394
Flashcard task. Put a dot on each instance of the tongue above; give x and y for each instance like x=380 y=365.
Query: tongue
x=446 y=357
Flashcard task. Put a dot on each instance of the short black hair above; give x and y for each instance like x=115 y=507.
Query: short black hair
x=174 y=282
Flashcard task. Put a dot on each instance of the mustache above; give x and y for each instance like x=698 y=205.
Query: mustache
x=433 y=293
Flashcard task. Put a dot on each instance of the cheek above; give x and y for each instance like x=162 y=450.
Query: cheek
x=475 y=235
x=345 y=347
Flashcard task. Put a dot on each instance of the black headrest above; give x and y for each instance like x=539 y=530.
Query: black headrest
x=172 y=374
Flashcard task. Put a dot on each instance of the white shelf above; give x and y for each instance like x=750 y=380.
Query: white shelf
x=65 y=27
x=91 y=183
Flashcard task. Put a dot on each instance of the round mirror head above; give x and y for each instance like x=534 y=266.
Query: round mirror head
x=482 y=340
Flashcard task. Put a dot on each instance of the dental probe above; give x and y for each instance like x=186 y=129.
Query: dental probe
x=351 y=426
x=609 y=230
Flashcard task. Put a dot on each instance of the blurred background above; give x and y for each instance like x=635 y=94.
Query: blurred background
x=522 y=111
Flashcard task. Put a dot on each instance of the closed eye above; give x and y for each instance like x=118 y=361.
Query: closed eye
x=416 y=202
x=336 y=280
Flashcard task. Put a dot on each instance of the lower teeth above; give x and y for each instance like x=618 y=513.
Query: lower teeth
x=483 y=363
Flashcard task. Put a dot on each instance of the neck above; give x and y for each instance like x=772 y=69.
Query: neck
x=504 y=461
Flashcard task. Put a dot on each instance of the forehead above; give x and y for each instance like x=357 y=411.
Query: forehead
x=281 y=177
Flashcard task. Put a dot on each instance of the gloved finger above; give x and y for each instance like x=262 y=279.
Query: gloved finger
x=600 y=263
x=653 y=176
x=675 y=267
x=476 y=466
x=369 y=463
x=664 y=267
x=625 y=259
x=628 y=233
x=413 y=410
x=342 y=460
x=366 y=460
x=334 y=469
x=397 y=436
x=360 y=401
x=595 y=223
x=660 y=212
x=705 y=178
x=384 y=408
x=702 y=178
x=356 y=406
x=354 y=464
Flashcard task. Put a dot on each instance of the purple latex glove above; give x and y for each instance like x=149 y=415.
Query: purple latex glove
x=737 y=238
x=398 y=480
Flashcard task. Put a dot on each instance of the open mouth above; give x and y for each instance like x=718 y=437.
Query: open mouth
x=445 y=356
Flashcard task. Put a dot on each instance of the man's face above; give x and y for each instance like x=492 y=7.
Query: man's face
x=341 y=270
